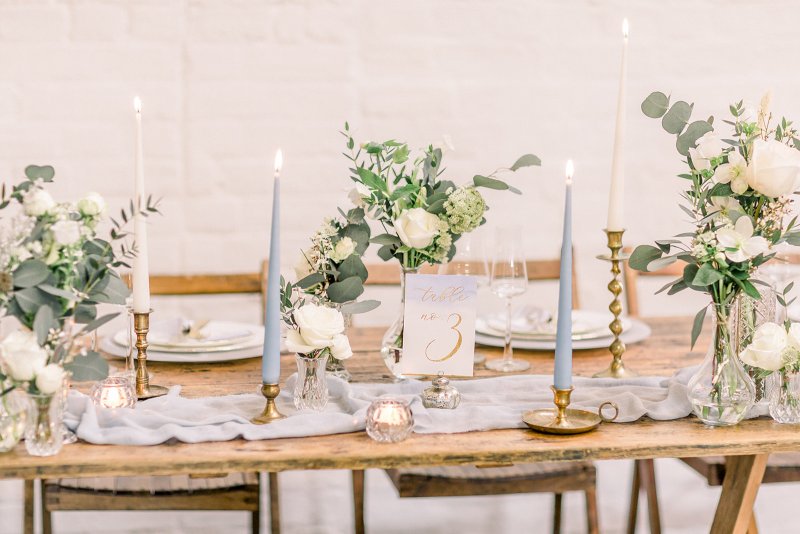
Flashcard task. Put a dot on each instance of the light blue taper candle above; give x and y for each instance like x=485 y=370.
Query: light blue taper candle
x=271 y=361
x=563 y=366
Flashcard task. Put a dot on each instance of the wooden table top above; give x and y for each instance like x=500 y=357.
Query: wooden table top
x=664 y=352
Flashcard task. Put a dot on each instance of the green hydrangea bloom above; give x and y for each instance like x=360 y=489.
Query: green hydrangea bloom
x=464 y=208
x=442 y=242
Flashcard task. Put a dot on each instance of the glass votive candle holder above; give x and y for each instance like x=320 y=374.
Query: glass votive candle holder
x=114 y=392
x=389 y=420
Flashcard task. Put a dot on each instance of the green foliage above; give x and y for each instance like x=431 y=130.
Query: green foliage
x=655 y=105
x=677 y=117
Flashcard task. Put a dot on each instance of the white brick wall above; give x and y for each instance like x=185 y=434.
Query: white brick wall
x=225 y=83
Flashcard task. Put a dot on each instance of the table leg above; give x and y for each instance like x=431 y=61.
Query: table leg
x=743 y=476
x=28 y=507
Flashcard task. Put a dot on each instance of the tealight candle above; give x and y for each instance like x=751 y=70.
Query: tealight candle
x=389 y=420
x=114 y=392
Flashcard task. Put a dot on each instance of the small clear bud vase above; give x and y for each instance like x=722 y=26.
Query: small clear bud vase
x=335 y=366
x=13 y=417
x=784 y=396
x=392 y=344
x=311 y=388
x=44 y=435
x=721 y=391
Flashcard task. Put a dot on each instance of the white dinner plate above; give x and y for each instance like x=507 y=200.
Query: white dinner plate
x=638 y=331
x=586 y=324
x=223 y=336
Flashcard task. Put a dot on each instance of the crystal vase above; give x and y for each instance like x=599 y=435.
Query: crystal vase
x=721 y=391
x=392 y=344
x=44 y=435
x=13 y=416
x=749 y=314
x=784 y=396
x=311 y=388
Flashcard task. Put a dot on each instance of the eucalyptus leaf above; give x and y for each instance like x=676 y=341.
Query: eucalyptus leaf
x=697 y=325
x=655 y=105
x=345 y=290
x=42 y=323
x=386 y=239
x=51 y=290
x=489 y=183
x=360 y=234
x=85 y=313
x=386 y=252
x=707 y=276
x=677 y=117
x=44 y=173
x=362 y=306
x=31 y=299
x=528 y=160
x=310 y=280
x=688 y=139
x=436 y=207
x=642 y=256
x=88 y=367
x=100 y=321
x=30 y=273
x=353 y=266
x=661 y=263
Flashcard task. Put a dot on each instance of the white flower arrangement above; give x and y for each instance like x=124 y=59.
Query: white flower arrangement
x=28 y=365
x=315 y=331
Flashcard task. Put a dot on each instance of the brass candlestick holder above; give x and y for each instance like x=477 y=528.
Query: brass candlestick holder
x=270 y=413
x=617 y=367
x=141 y=326
x=564 y=420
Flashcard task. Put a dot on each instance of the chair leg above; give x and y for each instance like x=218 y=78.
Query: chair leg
x=592 y=520
x=558 y=501
x=358 y=501
x=47 y=519
x=28 y=507
x=255 y=522
x=274 y=504
x=753 y=528
x=648 y=478
x=633 y=510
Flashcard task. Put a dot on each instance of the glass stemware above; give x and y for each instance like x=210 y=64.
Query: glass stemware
x=469 y=260
x=508 y=279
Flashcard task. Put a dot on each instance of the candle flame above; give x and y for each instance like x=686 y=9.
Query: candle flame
x=137 y=104
x=570 y=171
x=278 y=160
x=625 y=28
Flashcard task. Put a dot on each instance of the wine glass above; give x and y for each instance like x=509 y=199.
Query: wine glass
x=508 y=279
x=469 y=260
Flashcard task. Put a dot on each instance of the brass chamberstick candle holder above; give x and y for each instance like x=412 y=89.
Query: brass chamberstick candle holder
x=617 y=367
x=270 y=413
x=141 y=326
x=565 y=420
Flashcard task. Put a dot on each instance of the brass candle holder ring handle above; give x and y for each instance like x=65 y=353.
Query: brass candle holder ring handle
x=144 y=390
x=565 y=420
x=617 y=367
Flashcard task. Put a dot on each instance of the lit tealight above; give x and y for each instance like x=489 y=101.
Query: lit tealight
x=389 y=420
x=114 y=392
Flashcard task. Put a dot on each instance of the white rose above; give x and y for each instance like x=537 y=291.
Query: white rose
x=50 y=379
x=766 y=349
x=416 y=228
x=709 y=146
x=37 y=202
x=341 y=347
x=317 y=328
x=774 y=168
x=343 y=249
x=358 y=194
x=21 y=356
x=92 y=205
x=794 y=336
x=66 y=232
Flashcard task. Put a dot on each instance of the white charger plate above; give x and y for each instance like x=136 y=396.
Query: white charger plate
x=638 y=331
x=249 y=336
x=586 y=324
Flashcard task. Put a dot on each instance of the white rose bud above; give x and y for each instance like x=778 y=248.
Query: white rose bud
x=774 y=168
x=709 y=146
x=66 y=233
x=318 y=327
x=794 y=336
x=92 y=205
x=343 y=249
x=341 y=347
x=50 y=379
x=37 y=202
x=416 y=228
x=21 y=356
x=766 y=349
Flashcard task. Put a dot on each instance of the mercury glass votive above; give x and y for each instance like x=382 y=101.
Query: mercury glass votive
x=389 y=420
x=114 y=392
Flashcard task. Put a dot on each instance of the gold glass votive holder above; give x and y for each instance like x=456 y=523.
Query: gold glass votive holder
x=616 y=368
x=141 y=327
x=565 y=420
x=270 y=413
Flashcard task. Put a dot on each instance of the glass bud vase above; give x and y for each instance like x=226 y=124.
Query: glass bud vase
x=335 y=366
x=392 y=344
x=311 y=388
x=44 y=435
x=784 y=396
x=13 y=418
x=721 y=391
x=750 y=314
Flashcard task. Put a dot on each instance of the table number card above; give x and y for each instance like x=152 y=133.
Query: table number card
x=439 y=329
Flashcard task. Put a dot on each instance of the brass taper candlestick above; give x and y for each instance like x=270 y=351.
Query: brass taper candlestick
x=270 y=413
x=564 y=420
x=141 y=326
x=617 y=368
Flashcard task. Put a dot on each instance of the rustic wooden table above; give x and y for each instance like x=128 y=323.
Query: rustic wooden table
x=747 y=444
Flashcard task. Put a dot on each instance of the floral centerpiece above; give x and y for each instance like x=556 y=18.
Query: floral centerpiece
x=738 y=195
x=422 y=214
x=316 y=332
x=331 y=272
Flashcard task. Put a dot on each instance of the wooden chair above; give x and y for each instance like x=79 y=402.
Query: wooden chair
x=781 y=467
x=551 y=477
x=236 y=491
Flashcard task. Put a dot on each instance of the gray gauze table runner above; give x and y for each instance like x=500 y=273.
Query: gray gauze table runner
x=488 y=403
